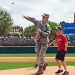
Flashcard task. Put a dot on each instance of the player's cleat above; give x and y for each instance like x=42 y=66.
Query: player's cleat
x=59 y=71
x=45 y=65
x=65 y=73
x=36 y=65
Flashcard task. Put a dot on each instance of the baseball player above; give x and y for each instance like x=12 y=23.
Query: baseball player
x=43 y=31
x=62 y=49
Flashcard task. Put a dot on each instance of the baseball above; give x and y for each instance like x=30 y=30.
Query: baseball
x=12 y=2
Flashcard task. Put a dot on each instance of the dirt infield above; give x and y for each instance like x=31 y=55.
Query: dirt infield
x=31 y=71
x=31 y=59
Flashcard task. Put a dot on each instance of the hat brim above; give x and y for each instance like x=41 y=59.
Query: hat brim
x=45 y=16
x=57 y=29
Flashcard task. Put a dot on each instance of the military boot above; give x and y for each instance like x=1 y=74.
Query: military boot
x=40 y=71
x=45 y=65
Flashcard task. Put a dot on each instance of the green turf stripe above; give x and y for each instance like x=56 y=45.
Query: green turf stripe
x=14 y=65
x=34 y=55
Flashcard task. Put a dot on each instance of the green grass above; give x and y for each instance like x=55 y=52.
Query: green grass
x=34 y=55
x=15 y=65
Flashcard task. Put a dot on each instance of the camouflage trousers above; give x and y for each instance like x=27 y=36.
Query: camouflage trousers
x=40 y=52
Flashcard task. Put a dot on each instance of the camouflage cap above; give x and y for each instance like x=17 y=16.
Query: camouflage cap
x=46 y=15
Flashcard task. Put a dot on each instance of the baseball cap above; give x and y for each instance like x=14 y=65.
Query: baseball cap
x=58 y=28
x=46 y=15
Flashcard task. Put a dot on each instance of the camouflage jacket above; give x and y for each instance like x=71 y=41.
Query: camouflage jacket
x=41 y=37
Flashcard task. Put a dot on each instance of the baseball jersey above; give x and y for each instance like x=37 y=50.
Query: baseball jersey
x=61 y=40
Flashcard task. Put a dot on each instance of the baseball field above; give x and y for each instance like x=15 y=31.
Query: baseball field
x=17 y=64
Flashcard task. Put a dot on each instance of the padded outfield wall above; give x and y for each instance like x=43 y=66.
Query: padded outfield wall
x=30 y=49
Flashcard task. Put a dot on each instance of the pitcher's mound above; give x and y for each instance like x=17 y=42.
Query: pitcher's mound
x=31 y=71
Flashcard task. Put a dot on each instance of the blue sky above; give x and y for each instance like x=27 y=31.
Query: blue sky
x=59 y=10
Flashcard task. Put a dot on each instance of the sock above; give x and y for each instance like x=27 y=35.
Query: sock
x=66 y=70
x=60 y=69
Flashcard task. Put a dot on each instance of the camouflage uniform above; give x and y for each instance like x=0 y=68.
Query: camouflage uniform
x=41 y=39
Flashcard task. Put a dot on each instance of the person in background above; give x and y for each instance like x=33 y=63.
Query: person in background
x=37 y=58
